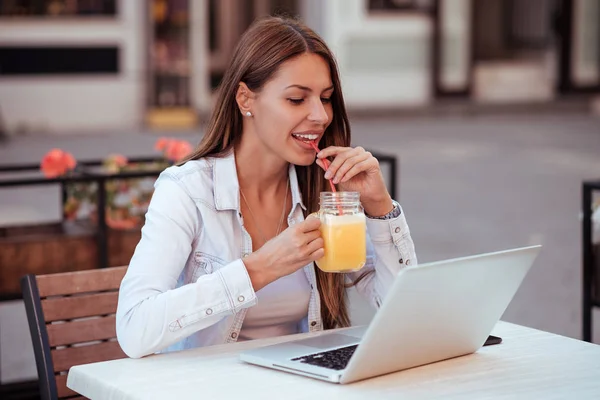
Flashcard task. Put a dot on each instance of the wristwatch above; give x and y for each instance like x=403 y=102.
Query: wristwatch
x=395 y=213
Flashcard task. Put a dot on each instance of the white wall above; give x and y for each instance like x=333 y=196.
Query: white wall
x=200 y=90
x=83 y=104
x=384 y=59
x=455 y=27
x=585 y=62
x=311 y=12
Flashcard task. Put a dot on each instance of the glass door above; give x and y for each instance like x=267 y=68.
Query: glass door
x=169 y=66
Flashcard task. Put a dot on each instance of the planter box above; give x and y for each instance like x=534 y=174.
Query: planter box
x=59 y=247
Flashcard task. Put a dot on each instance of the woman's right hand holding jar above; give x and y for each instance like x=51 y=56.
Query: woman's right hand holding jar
x=287 y=252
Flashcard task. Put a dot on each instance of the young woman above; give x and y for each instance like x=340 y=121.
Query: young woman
x=226 y=253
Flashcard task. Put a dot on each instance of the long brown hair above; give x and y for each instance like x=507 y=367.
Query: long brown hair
x=261 y=50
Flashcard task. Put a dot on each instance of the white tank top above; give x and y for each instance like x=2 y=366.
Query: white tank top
x=281 y=306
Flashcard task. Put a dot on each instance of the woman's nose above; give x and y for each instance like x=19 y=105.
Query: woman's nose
x=318 y=113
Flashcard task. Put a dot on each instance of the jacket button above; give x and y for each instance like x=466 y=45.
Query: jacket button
x=234 y=335
x=400 y=261
x=241 y=298
x=397 y=230
x=313 y=323
x=209 y=311
x=407 y=262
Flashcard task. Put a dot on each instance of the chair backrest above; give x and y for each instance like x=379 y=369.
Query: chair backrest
x=72 y=321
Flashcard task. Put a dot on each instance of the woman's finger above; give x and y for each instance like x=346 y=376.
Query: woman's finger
x=339 y=159
x=332 y=151
x=311 y=236
x=348 y=165
x=314 y=245
x=363 y=166
x=317 y=254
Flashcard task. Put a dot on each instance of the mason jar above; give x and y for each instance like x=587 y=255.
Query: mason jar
x=344 y=231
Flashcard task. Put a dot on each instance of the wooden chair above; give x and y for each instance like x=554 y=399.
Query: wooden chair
x=72 y=321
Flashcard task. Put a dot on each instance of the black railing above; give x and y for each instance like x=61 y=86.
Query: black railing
x=89 y=163
x=101 y=178
x=590 y=260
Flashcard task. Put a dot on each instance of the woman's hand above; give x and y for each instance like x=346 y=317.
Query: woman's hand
x=286 y=253
x=356 y=170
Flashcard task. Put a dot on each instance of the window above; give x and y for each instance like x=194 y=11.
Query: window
x=57 y=8
x=170 y=64
x=399 y=5
x=58 y=60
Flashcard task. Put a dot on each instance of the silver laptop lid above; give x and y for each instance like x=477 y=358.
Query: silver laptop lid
x=439 y=310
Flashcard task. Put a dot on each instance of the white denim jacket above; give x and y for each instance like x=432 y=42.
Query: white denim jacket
x=187 y=286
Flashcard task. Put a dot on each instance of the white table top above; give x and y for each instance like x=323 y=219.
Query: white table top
x=529 y=364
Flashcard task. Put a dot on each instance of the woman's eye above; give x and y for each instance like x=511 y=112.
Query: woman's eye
x=296 y=101
x=326 y=100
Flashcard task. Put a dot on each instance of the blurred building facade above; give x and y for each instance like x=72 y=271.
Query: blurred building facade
x=81 y=66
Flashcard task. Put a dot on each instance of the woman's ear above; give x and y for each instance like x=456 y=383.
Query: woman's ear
x=244 y=97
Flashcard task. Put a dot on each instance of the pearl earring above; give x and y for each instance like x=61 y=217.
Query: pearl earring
x=248 y=114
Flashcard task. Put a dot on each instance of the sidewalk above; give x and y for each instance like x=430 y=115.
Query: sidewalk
x=29 y=148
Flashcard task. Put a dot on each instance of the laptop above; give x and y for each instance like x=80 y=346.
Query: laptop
x=432 y=312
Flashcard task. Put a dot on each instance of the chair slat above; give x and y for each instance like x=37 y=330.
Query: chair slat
x=81 y=331
x=91 y=299
x=56 y=309
x=61 y=387
x=63 y=359
x=80 y=282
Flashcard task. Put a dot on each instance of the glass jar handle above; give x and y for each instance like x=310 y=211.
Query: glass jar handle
x=317 y=214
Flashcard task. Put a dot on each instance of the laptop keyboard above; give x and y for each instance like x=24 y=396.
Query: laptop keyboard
x=333 y=359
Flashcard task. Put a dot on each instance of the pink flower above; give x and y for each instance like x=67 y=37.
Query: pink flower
x=119 y=160
x=177 y=150
x=56 y=163
x=172 y=149
x=115 y=162
x=161 y=144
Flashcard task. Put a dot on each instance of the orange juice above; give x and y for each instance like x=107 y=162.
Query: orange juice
x=345 y=242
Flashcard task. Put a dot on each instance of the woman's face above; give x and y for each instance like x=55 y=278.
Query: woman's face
x=294 y=108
